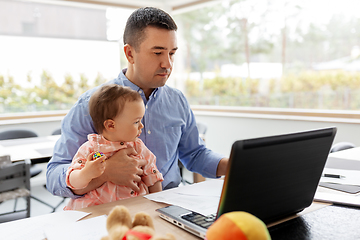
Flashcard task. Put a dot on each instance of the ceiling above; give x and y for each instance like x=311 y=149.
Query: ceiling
x=167 y=5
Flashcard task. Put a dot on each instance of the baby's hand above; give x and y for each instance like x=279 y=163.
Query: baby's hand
x=95 y=167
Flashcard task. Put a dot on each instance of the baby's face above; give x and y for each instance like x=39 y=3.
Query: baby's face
x=128 y=123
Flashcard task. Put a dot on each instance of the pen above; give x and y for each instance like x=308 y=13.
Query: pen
x=332 y=175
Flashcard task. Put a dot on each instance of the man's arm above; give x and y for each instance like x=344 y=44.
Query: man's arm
x=222 y=167
x=193 y=153
x=121 y=169
x=74 y=130
x=75 y=127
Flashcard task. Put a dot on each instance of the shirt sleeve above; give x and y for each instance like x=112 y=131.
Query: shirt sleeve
x=151 y=173
x=192 y=150
x=75 y=127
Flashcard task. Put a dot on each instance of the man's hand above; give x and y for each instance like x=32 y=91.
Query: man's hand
x=123 y=169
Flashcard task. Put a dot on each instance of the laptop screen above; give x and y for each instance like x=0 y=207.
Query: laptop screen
x=272 y=177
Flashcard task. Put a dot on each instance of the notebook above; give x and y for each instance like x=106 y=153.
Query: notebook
x=269 y=177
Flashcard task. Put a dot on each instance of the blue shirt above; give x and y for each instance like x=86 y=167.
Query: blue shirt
x=169 y=131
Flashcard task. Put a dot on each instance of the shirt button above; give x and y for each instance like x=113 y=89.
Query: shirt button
x=154 y=171
x=140 y=91
x=121 y=143
x=149 y=132
x=132 y=192
x=79 y=161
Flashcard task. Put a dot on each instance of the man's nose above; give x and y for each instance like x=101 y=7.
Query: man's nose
x=166 y=62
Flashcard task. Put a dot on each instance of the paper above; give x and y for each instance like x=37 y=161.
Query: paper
x=348 y=177
x=200 y=197
x=341 y=199
x=32 y=228
x=349 y=154
x=90 y=229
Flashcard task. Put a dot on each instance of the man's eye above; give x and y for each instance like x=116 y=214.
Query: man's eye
x=157 y=53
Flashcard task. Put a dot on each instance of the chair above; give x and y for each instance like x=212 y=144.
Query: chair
x=202 y=128
x=22 y=133
x=56 y=132
x=14 y=184
x=341 y=146
x=34 y=169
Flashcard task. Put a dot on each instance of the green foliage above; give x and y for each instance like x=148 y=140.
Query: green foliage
x=45 y=96
x=312 y=90
x=319 y=81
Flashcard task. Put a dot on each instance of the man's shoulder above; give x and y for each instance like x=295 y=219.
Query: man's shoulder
x=171 y=89
x=172 y=93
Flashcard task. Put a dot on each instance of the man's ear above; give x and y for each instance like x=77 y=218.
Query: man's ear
x=129 y=50
x=109 y=124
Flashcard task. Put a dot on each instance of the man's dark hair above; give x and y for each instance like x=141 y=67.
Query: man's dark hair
x=141 y=18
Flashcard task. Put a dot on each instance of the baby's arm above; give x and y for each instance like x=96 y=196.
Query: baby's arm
x=80 y=178
x=156 y=187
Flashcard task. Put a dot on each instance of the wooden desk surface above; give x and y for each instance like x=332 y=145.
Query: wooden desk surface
x=140 y=203
x=28 y=148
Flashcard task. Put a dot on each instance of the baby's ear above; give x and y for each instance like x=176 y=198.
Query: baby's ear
x=109 y=124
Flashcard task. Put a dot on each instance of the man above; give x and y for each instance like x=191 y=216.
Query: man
x=170 y=130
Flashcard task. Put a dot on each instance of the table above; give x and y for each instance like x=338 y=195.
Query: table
x=36 y=148
x=319 y=221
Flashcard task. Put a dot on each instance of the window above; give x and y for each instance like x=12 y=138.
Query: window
x=281 y=54
x=246 y=53
x=51 y=54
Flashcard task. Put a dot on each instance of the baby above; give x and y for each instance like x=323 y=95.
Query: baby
x=116 y=112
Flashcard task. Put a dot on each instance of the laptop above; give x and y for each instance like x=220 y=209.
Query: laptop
x=269 y=177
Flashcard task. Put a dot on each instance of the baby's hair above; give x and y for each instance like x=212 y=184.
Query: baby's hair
x=108 y=101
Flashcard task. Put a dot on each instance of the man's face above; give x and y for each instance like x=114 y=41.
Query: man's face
x=154 y=58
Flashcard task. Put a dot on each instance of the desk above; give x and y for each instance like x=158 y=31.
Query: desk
x=319 y=221
x=29 y=148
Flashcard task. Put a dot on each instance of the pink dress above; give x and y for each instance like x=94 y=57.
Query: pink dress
x=109 y=191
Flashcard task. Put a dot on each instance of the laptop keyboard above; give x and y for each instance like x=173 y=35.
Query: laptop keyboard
x=200 y=220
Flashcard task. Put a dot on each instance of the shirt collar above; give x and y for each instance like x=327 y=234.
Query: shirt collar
x=126 y=82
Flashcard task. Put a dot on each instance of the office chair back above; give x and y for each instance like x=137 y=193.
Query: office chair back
x=15 y=183
x=17 y=133
x=56 y=132
x=34 y=169
x=202 y=127
x=341 y=146
x=21 y=133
